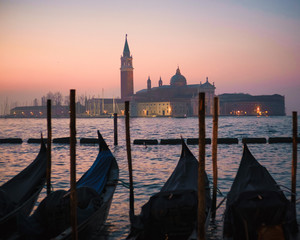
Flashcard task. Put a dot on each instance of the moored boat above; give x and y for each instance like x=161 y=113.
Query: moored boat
x=172 y=212
x=95 y=191
x=256 y=207
x=19 y=194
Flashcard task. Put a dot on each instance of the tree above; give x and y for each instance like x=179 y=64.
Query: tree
x=56 y=98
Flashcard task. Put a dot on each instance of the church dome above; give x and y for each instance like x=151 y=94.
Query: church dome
x=178 y=80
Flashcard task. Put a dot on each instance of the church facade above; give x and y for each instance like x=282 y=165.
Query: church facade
x=177 y=99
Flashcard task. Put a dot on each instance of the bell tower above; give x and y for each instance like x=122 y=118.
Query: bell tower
x=149 y=84
x=126 y=73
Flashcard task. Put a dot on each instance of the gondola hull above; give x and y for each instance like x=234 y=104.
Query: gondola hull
x=172 y=212
x=9 y=224
x=95 y=223
x=34 y=176
x=94 y=189
x=256 y=207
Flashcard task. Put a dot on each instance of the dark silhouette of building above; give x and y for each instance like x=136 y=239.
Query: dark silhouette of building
x=176 y=99
x=246 y=104
x=41 y=111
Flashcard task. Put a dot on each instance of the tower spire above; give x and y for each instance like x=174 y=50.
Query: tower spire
x=126 y=51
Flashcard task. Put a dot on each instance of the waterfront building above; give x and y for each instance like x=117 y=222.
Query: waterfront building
x=96 y=107
x=180 y=98
x=177 y=99
x=248 y=105
x=41 y=111
x=160 y=109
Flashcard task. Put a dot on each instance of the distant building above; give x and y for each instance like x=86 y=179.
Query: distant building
x=248 y=105
x=41 y=111
x=177 y=99
x=96 y=107
x=126 y=73
x=180 y=98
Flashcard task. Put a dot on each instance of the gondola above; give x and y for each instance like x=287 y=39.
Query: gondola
x=95 y=191
x=256 y=207
x=19 y=194
x=172 y=212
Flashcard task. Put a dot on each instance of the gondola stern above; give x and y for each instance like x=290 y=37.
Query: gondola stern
x=248 y=157
x=43 y=145
x=102 y=144
x=185 y=151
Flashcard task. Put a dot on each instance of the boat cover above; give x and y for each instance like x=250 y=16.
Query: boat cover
x=254 y=201
x=173 y=211
x=24 y=185
x=96 y=176
x=53 y=214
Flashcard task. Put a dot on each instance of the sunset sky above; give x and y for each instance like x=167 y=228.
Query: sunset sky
x=242 y=46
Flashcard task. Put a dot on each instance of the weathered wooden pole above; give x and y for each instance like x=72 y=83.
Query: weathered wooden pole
x=214 y=155
x=49 y=140
x=128 y=147
x=73 y=196
x=201 y=168
x=294 y=161
x=115 y=129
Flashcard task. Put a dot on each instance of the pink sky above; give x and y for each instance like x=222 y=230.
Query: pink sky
x=58 y=45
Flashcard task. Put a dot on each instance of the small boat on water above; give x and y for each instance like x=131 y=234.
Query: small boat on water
x=19 y=194
x=256 y=207
x=95 y=191
x=172 y=212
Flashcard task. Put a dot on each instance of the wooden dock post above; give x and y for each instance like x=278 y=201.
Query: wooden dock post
x=294 y=161
x=214 y=155
x=49 y=140
x=73 y=196
x=128 y=147
x=201 y=168
x=115 y=129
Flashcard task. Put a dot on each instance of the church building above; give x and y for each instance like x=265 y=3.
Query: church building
x=177 y=99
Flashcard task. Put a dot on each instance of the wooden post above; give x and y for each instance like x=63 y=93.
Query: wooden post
x=214 y=155
x=73 y=196
x=115 y=129
x=201 y=168
x=49 y=140
x=294 y=161
x=128 y=147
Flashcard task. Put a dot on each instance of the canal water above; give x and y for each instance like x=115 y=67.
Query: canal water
x=152 y=164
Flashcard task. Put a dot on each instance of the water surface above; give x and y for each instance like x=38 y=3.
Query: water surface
x=152 y=165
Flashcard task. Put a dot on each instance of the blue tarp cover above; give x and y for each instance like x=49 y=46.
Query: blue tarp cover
x=96 y=176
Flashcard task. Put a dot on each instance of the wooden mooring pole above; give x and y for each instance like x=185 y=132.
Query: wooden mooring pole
x=115 y=129
x=214 y=155
x=201 y=168
x=128 y=147
x=294 y=161
x=73 y=196
x=49 y=140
